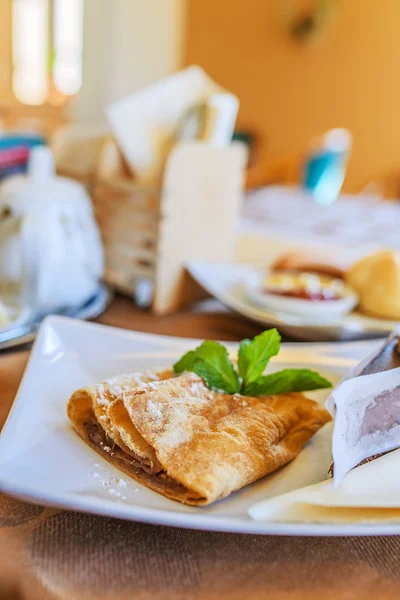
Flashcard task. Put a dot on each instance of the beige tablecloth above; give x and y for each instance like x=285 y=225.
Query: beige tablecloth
x=47 y=553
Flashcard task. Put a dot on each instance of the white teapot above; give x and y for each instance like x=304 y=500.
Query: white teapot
x=50 y=248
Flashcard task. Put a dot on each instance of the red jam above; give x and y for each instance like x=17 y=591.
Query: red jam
x=303 y=286
x=314 y=296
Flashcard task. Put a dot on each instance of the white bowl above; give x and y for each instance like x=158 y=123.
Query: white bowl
x=326 y=310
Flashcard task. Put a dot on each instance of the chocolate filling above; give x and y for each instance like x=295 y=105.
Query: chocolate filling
x=132 y=463
x=98 y=436
x=382 y=414
x=384 y=411
x=363 y=462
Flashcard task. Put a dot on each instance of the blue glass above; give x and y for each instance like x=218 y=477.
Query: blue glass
x=323 y=175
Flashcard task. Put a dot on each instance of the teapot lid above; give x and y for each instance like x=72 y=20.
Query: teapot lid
x=41 y=164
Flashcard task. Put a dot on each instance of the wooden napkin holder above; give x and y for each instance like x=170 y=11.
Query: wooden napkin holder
x=150 y=233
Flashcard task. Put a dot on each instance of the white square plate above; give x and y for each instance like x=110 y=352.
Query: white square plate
x=43 y=460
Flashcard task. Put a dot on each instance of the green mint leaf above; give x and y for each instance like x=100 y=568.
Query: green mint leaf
x=186 y=363
x=288 y=380
x=243 y=357
x=212 y=364
x=254 y=355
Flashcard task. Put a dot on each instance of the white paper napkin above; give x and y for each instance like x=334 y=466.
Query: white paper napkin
x=368 y=493
x=145 y=124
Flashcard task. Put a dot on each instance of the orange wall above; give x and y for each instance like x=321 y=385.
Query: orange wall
x=6 y=94
x=290 y=91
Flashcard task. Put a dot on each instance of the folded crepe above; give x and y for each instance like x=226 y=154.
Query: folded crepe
x=366 y=407
x=183 y=440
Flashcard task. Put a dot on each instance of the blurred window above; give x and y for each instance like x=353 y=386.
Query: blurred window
x=47 y=50
x=30 y=50
x=68 y=37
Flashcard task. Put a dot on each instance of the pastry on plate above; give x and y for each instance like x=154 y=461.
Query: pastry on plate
x=189 y=443
x=203 y=430
x=376 y=280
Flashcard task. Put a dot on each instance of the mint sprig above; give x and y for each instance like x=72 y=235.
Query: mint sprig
x=186 y=363
x=211 y=362
x=254 y=355
x=214 y=366
x=288 y=380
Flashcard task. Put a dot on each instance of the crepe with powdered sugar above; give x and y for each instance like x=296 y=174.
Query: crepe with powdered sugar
x=193 y=445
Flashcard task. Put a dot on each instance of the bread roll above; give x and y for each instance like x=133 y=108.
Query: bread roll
x=376 y=280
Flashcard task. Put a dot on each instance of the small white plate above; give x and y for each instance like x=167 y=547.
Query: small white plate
x=43 y=460
x=227 y=282
x=326 y=312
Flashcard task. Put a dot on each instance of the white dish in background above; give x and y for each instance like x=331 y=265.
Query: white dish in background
x=24 y=329
x=43 y=460
x=326 y=311
x=227 y=282
x=18 y=315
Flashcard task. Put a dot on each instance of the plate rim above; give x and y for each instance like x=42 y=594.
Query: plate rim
x=171 y=517
x=203 y=523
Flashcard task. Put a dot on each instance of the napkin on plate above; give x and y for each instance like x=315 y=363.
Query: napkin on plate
x=365 y=406
x=147 y=124
x=370 y=492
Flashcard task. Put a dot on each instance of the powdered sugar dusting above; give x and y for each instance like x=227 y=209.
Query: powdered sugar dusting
x=174 y=418
x=117 y=385
x=153 y=409
x=192 y=376
x=110 y=483
x=102 y=399
x=138 y=380
x=114 y=387
x=241 y=400
x=115 y=493
x=197 y=388
x=173 y=437
x=152 y=376
x=106 y=449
